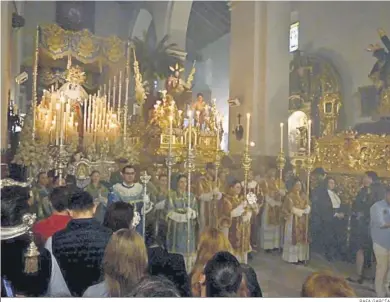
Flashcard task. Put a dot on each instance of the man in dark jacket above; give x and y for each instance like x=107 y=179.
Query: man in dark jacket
x=79 y=248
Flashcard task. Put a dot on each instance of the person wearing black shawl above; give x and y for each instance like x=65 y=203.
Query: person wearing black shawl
x=328 y=221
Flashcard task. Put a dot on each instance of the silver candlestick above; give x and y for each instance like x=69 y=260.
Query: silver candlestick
x=145 y=178
x=190 y=167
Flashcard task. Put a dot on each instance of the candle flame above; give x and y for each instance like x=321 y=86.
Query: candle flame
x=281 y=125
x=248 y=115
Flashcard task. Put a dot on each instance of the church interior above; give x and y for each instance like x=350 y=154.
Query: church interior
x=300 y=88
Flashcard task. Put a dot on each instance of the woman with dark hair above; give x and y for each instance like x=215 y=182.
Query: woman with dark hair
x=97 y=190
x=250 y=278
x=119 y=215
x=181 y=219
x=222 y=276
x=24 y=275
x=328 y=221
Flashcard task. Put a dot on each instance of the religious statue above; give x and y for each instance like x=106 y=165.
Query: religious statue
x=380 y=73
x=175 y=84
x=302 y=138
x=200 y=107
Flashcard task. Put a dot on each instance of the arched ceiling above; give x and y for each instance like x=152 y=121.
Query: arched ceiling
x=208 y=21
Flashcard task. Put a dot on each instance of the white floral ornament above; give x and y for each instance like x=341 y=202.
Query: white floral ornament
x=251 y=198
x=136 y=219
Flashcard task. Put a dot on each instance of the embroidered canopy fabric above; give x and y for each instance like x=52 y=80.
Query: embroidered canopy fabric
x=82 y=45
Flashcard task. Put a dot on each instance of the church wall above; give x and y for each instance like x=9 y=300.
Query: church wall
x=35 y=13
x=341 y=32
x=111 y=19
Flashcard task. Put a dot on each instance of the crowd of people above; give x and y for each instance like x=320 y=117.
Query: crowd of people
x=110 y=239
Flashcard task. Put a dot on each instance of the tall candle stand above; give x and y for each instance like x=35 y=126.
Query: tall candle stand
x=145 y=178
x=171 y=159
x=190 y=166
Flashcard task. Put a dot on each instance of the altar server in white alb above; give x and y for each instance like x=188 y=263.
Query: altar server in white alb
x=132 y=192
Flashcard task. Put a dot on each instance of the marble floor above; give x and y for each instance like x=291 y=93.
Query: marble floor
x=280 y=279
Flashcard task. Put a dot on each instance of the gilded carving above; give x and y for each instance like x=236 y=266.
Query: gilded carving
x=349 y=153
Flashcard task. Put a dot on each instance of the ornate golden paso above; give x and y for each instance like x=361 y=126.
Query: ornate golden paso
x=353 y=154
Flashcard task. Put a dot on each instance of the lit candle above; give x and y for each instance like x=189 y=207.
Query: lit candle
x=170 y=134
x=85 y=116
x=109 y=90
x=218 y=144
x=189 y=129
x=114 y=94
x=281 y=137
x=120 y=92
x=248 y=119
x=309 y=138
x=58 y=107
x=63 y=115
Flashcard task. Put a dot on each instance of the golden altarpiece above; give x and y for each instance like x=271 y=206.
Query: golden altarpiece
x=78 y=125
x=315 y=105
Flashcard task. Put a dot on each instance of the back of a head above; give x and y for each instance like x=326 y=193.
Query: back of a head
x=211 y=242
x=223 y=275
x=153 y=287
x=125 y=261
x=80 y=201
x=119 y=215
x=59 y=198
x=14 y=204
x=252 y=283
x=326 y=285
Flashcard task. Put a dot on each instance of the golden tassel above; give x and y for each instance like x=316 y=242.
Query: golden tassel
x=31 y=261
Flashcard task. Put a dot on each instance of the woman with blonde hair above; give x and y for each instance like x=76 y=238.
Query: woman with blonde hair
x=326 y=285
x=211 y=241
x=125 y=263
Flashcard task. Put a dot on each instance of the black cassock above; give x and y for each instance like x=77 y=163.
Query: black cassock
x=328 y=232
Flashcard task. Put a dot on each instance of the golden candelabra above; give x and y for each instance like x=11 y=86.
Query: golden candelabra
x=190 y=165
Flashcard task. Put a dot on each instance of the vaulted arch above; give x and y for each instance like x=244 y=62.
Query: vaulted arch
x=142 y=24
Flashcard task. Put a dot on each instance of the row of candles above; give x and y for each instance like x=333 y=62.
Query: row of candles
x=308 y=137
x=58 y=124
x=218 y=122
x=55 y=121
x=100 y=121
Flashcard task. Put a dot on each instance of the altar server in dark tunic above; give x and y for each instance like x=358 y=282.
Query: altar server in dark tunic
x=329 y=221
x=360 y=240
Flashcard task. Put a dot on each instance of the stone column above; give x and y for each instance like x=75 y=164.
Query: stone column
x=17 y=50
x=277 y=74
x=259 y=72
x=6 y=28
x=247 y=71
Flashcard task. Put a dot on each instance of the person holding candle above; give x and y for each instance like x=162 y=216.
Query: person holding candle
x=181 y=216
x=208 y=193
x=234 y=219
x=274 y=190
x=295 y=209
x=132 y=192
x=254 y=188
